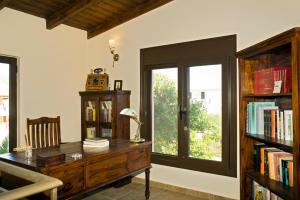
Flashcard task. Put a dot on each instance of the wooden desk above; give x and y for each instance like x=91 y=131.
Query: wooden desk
x=94 y=170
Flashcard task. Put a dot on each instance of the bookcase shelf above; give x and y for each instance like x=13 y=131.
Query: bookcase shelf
x=104 y=108
x=285 y=145
x=278 y=51
x=268 y=95
x=275 y=187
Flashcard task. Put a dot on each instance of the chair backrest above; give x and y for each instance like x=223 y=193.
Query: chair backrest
x=43 y=132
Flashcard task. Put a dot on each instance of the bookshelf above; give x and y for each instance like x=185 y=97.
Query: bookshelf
x=100 y=114
x=280 y=50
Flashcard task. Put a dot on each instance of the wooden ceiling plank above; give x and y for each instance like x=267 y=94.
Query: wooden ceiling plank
x=96 y=14
x=4 y=3
x=25 y=7
x=83 y=20
x=59 y=17
x=132 y=13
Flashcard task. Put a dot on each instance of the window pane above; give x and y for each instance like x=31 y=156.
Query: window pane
x=205 y=112
x=4 y=107
x=164 y=111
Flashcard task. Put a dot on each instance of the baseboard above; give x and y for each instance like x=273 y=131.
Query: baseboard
x=182 y=190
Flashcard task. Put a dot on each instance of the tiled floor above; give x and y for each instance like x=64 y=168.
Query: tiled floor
x=135 y=191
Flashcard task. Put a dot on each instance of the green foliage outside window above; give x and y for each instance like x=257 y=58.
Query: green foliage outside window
x=201 y=123
x=4 y=146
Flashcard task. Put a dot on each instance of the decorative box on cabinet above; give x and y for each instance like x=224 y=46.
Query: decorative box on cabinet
x=100 y=114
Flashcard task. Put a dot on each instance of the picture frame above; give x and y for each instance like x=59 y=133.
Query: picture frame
x=118 y=84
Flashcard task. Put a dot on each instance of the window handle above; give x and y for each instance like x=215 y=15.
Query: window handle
x=182 y=111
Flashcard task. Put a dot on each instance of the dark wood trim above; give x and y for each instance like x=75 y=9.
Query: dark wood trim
x=132 y=13
x=4 y=3
x=147 y=183
x=271 y=43
x=219 y=50
x=62 y=15
x=12 y=99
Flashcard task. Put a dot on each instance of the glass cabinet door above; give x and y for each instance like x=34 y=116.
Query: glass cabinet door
x=105 y=122
x=90 y=118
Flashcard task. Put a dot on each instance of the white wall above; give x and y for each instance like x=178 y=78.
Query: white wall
x=52 y=69
x=181 y=21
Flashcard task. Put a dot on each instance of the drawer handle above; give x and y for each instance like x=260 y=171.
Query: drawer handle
x=67 y=187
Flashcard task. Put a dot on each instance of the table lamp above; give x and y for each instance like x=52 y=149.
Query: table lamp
x=132 y=114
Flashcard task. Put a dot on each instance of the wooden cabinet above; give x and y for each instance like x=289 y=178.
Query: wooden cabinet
x=100 y=114
x=280 y=50
x=72 y=176
x=103 y=170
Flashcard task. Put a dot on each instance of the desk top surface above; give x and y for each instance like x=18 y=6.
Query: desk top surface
x=116 y=146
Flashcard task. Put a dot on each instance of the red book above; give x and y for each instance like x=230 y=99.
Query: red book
x=264 y=79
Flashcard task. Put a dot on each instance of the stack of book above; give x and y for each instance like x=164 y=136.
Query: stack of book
x=264 y=118
x=273 y=163
x=261 y=193
x=264 y=79
x=96 y=144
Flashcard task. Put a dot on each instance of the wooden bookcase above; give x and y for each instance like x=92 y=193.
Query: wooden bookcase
x=280 y=50
x=100 y=114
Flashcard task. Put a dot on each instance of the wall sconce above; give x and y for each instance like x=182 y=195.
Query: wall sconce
x=112 y=48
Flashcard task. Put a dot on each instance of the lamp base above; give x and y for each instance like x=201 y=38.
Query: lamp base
x=137 y=140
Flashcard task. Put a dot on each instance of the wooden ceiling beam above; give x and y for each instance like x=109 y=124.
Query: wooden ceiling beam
x=4 y=3
x=62 y=15
x=130 y=14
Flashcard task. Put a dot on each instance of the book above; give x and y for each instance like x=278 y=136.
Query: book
x=256 y=155
x=282 y=168
x=260 y=118
x=268 y=153
x=288 y=124
x=264 y=80
x=291 y=174
x=96 y=139
x=259 y=192
x=275 y=164
x=252 y=118
x=96 y=143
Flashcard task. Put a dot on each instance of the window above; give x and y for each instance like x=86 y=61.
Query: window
x=8 y=105
x=188 y=104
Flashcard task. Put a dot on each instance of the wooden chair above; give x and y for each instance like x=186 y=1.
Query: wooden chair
x=43 y=132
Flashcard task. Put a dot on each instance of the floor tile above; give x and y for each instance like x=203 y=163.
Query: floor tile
x=136 y=191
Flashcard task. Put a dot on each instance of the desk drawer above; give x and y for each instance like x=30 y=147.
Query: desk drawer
x=138 y=159
x=72 y=178
x=98 y=173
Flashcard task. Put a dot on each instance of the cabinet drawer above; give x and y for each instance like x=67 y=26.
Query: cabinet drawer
x=138 y=159
x=106 y=170
x=72 y=178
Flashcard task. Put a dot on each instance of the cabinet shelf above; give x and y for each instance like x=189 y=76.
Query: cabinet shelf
x=285 y=145
x=267 y=95
x=275 y=187
x=90 y=123
x=106 y=125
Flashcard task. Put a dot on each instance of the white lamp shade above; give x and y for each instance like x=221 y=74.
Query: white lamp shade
x=128 y=112
x=111 y=44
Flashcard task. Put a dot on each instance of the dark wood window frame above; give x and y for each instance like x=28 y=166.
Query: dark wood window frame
x=220 y=50
x=12 y=99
